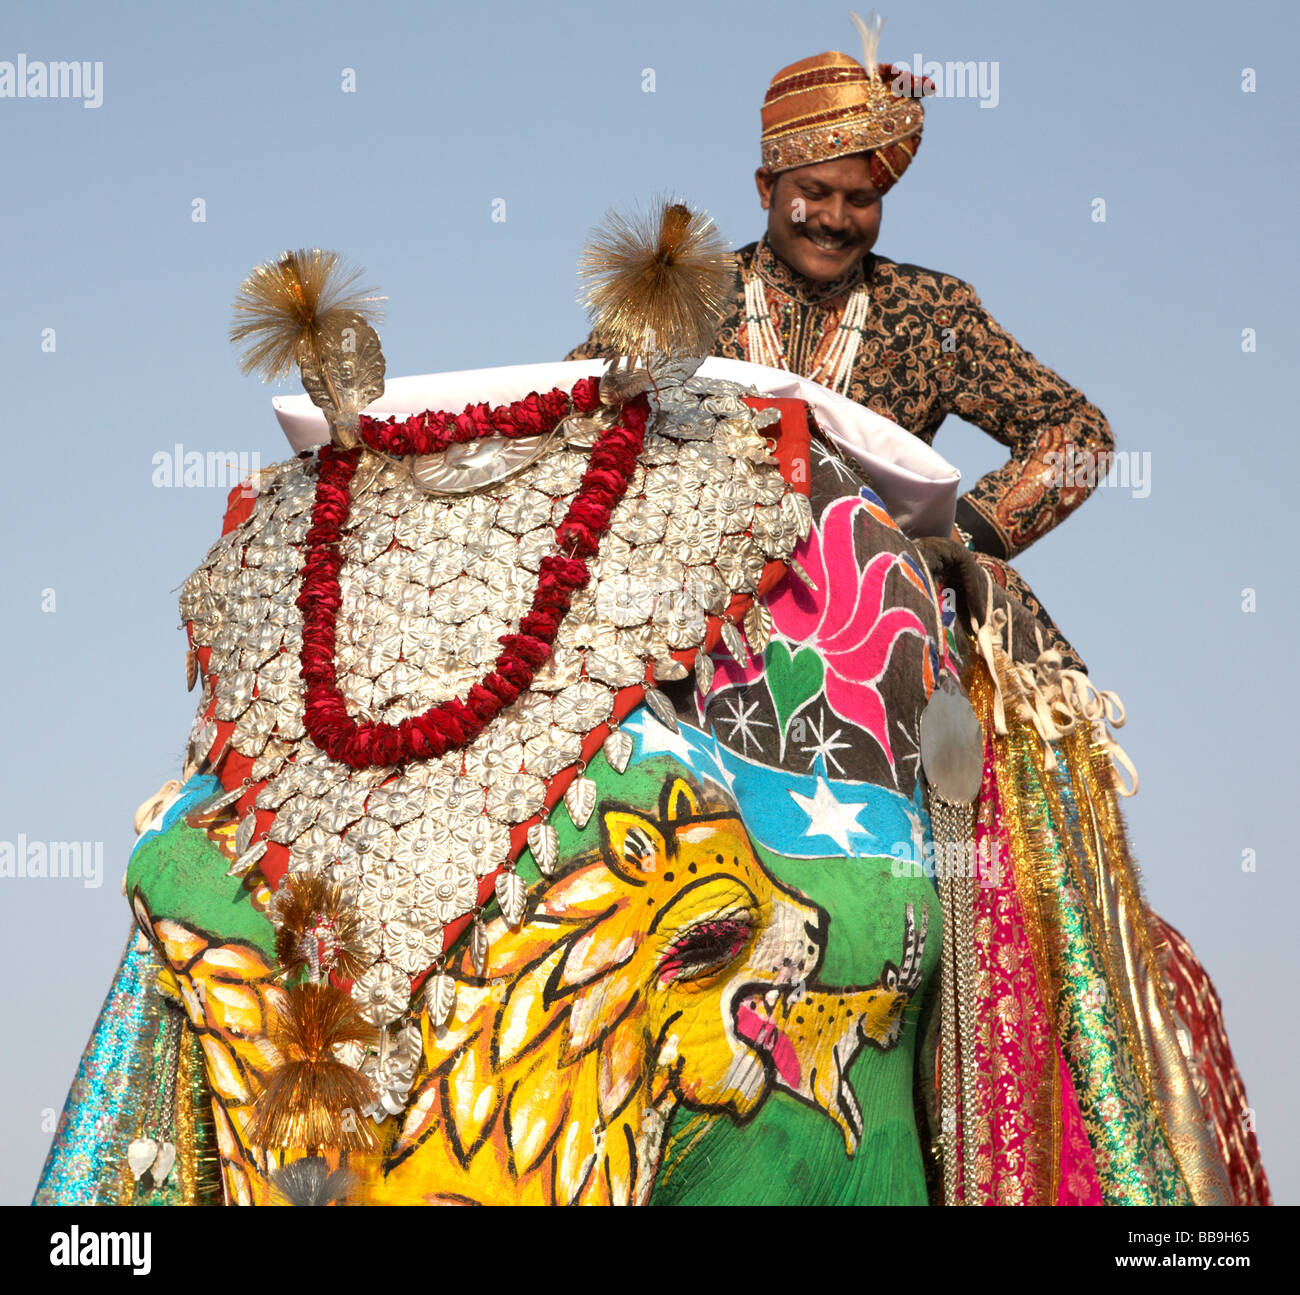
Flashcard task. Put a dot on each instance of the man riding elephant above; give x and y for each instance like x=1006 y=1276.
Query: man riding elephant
x=568 y=818
x=915 y=345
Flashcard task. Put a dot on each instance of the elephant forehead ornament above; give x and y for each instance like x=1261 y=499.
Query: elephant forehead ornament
x=412 y=642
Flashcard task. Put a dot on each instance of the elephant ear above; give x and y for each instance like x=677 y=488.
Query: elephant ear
x=633 y=846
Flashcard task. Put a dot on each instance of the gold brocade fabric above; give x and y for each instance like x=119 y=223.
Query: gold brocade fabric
x=1119 y=916
x=1078 y=889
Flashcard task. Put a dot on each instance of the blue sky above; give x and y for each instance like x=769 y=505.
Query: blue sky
x=242 y=107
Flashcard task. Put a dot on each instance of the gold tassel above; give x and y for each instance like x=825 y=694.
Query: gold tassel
x=314 y=1100
x=286 y=309
x=657 y=284
x=316 y=930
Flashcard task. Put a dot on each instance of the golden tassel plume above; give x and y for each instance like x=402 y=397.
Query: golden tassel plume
x=316 y=930
x=313 y=1100
x=285 y=309
x=657 y=283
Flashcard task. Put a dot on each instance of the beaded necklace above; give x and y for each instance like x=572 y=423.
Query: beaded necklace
x=763 y=346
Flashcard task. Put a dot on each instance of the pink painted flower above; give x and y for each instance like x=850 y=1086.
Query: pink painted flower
x=847 y=620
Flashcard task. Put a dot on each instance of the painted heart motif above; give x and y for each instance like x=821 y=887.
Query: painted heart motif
x=792 y=679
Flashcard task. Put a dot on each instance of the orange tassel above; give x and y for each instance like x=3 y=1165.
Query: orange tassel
x=314 y=1100
x=317 y=931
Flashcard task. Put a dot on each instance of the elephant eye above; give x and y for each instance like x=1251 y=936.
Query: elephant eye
x=704 y=948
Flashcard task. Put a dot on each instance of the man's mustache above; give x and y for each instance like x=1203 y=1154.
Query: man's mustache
x=840 y=240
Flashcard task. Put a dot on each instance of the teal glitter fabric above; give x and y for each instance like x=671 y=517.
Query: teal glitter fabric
x=104 y=1105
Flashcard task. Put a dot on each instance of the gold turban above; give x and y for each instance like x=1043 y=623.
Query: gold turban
x=831 y=106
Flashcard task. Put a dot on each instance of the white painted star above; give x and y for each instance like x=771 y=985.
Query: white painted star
x=830 y=817
x=719 y=761
x=742 y=721
x=829 y=459
x=825 y=746
x=912 y=737
x=656 y=737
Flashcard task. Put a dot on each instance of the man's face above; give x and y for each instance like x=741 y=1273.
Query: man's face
x=821 y=219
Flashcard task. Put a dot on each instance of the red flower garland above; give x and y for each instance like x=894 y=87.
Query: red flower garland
x=454 y=724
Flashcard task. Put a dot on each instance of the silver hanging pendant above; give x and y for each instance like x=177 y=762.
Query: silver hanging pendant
x=952 y=744
x=797 y=509
x=202 y=742
x=662 y=708
x=704 y=670
x=244 y=832
x=246 y=860
x=441 y=998
x=668 y=669
x=163 y=1163
x=758 y=626
x=512 y=895
x=618 y=749
x=221 y=800
x=544 y=842
x=580 y=800
x=140 y=1155
x=478 y=947
x=798 y=569
x=734 y=642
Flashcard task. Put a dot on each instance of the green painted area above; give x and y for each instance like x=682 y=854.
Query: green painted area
x=182 y=875
x=790 y=1153
x=792 y=680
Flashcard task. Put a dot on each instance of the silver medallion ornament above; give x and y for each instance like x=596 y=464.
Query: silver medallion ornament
x=580 y=800
x=618 y=749
x=544 y=842
x=381 y=993
x=512 y=895
x=952 y=744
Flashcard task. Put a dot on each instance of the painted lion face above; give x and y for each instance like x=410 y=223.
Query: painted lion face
x=671 y=970
x=719 y=932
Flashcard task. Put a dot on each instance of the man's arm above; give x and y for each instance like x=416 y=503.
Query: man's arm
x=1021 y=403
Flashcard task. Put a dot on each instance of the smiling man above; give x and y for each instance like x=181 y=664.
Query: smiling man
x=813 y=298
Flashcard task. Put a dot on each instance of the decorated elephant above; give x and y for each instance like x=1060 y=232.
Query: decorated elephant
x=565 y=821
